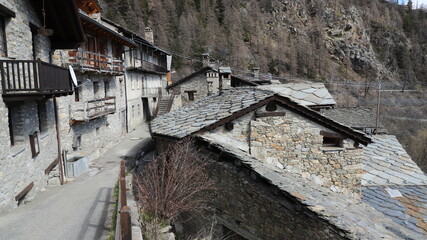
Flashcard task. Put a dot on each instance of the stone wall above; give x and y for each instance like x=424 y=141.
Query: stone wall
x=252 y=208
x=294 y=144
x=99 y=134
x=197 y=83
x=17 y=166
x=254 y=211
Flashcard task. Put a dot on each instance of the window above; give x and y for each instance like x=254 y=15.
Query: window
x=121 y=87
x=191 y=95
x=106 y=88
x=34 y=143
x=42 y=114
x=133 y=112
x=77 y=141
x=16 y=125
x=3 y=43
x=139 y=110
x=331 y=139
x=77 y=94
x=95 y=89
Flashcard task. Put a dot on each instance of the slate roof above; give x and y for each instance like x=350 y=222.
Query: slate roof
x=213 y=109
x=354 y=117
x=409 y=210
x=357 y=219
x=307 y=94
x=387 y=163
x=387 y=168
x=193 y=117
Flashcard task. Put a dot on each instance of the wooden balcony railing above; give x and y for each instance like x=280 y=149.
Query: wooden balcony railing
x=92 y=109
x=147 y=66
x=30 y=77
x=151 y=91
x=96 y=62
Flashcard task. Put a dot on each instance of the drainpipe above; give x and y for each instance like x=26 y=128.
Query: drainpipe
x=126 y=103
x=58 y=138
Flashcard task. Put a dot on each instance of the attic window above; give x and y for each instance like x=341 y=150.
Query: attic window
x=229 y=126
x=191 y=94
x=271 y=106
x=332 y=140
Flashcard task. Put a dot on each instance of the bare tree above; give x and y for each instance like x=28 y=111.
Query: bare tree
x=175 y=183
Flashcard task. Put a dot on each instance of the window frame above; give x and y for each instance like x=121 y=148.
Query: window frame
x=35 y=144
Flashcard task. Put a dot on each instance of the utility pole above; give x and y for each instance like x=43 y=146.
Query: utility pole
x=378 y=107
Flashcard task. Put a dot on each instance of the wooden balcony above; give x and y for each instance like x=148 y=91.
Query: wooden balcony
x=86 y=61
x=151 y=92
x=147 y=66
x=29 y=79
x=92 y=109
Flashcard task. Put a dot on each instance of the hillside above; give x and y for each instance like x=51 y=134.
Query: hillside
x=326 y=39
x=332 y=40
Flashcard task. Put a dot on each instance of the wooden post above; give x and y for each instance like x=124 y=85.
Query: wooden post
x=378 y=107
x=125 y=224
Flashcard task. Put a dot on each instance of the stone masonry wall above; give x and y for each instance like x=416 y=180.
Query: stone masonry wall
x=197 y=83
x=294 y=144
x=17 y=166
x=96 y=135
x=252 y=208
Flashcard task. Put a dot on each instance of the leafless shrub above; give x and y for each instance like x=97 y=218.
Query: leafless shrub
x=174 y=183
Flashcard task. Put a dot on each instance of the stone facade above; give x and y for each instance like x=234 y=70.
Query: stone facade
x=18 y=168
x=99 y=134
x=294 y=144
x=198 y=84
x=255 y=212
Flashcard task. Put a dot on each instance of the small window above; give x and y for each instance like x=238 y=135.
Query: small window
x=16 y=125
x=95 y=89
x=3 y=43
x=332 y=142
x=42 y=114
x=190 y=95
x=77 y=141
x=77 y=94
x=106 y=88
x=98 y=129
x=34 y=142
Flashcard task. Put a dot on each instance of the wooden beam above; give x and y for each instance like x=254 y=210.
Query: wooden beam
x=270 y=114
x=24 y=192
x=51 y=166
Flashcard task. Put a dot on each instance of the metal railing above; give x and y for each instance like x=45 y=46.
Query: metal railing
x=28 y=77
x=146 y=65
x=92 y=109
x=88 y=61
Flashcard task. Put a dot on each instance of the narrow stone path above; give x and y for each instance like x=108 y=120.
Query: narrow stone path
x=77 y=210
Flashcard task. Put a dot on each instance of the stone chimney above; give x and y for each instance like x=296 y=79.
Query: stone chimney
x=149 y=35
x=255 y=71
x=206 y=60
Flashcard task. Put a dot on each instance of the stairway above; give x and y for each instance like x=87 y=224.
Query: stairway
x=164 y=104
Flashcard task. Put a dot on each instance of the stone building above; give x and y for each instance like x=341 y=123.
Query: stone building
x=198 y=85
x=31 y=86
x=95 y=116
x=282 y=169
x=146 y=76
